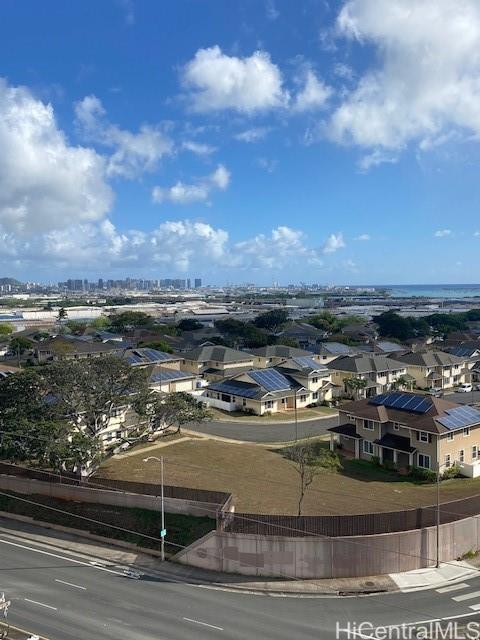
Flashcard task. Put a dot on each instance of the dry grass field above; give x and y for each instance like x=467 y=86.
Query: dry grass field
x=263 y=481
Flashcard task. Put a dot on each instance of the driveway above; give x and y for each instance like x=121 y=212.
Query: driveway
x=463 y=398
x=268 y=432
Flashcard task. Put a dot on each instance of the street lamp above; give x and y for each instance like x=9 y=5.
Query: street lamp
x=163 y=532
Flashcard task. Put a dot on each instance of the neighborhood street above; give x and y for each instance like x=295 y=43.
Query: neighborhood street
x=267 y=432
x=65 y=596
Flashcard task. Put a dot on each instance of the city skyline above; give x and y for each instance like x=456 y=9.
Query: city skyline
x=272 y=142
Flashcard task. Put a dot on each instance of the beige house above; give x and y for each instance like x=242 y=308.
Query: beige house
x=411 y=430
x=436 y=369
x=165 y=380
x=275 y=354
x=379 y=373
x=296 y=383
x=215 y=362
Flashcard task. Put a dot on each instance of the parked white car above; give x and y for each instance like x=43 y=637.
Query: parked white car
x=435 y=391
x=466 y=387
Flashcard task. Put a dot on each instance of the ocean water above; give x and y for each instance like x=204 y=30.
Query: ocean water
x=456 y=291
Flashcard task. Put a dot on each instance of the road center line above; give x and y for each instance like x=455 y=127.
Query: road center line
x=70 y=584
x=204 y=624
x=41 y=604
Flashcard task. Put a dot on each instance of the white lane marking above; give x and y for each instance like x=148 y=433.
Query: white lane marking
x=40 y=604
x=475 y=607
x=453 y=587
x=204 y=624
x=70 y=584
x=54 y=555
x=467 y=596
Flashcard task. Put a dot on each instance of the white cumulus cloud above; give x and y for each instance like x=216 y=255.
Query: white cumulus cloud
x=255 y=134
x=427 y=79
x=333 y=243
x=443 y=233
x=45 y=182
x=364 y=237
x=183 y=193
x=218 y=81
x=132 y=153
x=313 y=95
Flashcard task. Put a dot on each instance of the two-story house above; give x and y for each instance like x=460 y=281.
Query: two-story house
x=436 y=369
x=274 y=354
x=411 y=430
x=298 y=382
x=378 y=372
x=216 y=362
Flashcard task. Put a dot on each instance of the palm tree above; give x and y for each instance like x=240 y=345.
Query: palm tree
x=355 y=385
x=62 y=314
x=403 y=382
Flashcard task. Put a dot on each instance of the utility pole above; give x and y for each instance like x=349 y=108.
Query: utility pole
x=437 y=563
x=296 y=417
x=163 y=532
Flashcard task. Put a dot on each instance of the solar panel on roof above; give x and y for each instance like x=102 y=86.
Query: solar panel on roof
x=459 y=417
x=270 y=379
x=403 y=401
x=134 y=359
x=170 y=374
x=154 y=356
x=232 y=389
x=306 y=361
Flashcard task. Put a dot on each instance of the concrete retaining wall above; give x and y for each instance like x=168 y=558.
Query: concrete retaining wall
x=317 y=557
x=103 y=496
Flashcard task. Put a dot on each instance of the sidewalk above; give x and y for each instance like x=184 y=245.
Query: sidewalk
x=92 y=551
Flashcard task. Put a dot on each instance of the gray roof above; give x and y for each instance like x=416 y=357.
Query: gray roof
x=216 y=353
x=280 y=351
x=430 y=359
x=465 y=352
x=303 y=365
x=389 y=347
x=365 y=363
x=335 y=349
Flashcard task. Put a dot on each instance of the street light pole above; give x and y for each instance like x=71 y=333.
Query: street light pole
x=296 y=419
x=163 y=532
x=437 y=563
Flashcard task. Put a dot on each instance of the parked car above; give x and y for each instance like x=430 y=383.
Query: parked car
x=436 y=391
x=477 y=387
x=466 y=387
x=132 y=573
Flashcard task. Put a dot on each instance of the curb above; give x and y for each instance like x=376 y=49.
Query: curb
x=272 y=423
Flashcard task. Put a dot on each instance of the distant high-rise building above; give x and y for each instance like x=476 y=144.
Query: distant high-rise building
x=198 y=283
x=189 y=284
x=100 y=283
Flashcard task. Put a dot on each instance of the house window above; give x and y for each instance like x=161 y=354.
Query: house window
x=447 y=460
x=396 y=426
x=450 y=437
x=466 y=432
x=351 y=418
x=461 y=455
x=474 y=452
x=244 y=402
x=315 y=395
x=303 y=398
x=423 y=436
x=423 y=461
x=269 y=404
x=369 y=424
x=314 y=380
x=368 y=447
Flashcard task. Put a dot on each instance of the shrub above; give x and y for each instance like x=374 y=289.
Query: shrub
x=451 y=472
x=424 y=475
x=329 y=460
x=375 y=460
x=389 y=465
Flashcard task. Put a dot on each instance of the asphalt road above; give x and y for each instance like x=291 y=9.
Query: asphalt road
x=266 y=432
x=63 y=597
x=463 y=398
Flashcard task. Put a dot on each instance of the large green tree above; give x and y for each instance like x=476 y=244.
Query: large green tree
x=89 y=391
x=272 y=320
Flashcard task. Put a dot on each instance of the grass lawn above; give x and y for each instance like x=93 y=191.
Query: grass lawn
x=263 y=481
x=280 y=416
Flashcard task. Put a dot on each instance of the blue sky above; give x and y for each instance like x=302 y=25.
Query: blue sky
x=261 y=140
